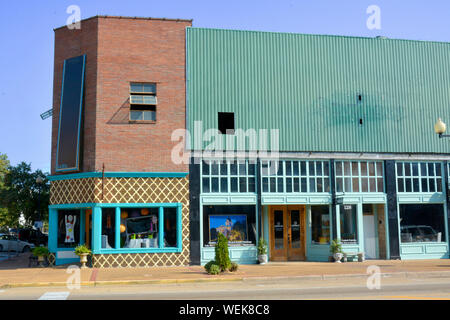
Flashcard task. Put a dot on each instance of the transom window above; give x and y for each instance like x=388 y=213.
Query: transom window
x=228 y=176
x=359 y=176
x=143 y=102
x=295 y=176
x=419 y=176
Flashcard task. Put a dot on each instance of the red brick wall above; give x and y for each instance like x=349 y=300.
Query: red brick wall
x=69 y=44
x=120 y=51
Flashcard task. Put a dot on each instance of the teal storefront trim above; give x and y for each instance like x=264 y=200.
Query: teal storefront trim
x=118 y=175
x=65 y=255
x=424 y=250
x=245 y=254
x=292 y=198
x=359 y=246
x=238 y=254
x=97 y=247
x=62 y=254
x=430 y=175
x=316 y=252
x=228 y=199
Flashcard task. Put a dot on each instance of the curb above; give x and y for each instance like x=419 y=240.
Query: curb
x=118 y=282
x=404 y=274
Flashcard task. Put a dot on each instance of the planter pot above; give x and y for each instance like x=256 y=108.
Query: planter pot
x=41 y=260
x=337 y=257
x=83 y=259
x=262 y=258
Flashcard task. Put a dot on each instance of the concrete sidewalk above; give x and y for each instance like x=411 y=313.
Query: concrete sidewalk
x=15 y=273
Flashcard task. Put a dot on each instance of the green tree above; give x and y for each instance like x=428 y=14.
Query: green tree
x=22 y=195
x=5 y=219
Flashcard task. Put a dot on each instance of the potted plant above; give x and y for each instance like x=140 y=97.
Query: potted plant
x=336 y=250
x=83 y=252
x=262 y=251
x=40 y=253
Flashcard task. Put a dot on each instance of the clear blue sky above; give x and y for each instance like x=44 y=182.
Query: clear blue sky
x=26 y=33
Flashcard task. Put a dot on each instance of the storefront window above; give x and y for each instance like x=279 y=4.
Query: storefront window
x=295 y=176
x=170 y=227
x=139 y=228
x=349 y=228
x=320 y=224
x=422 y=223
x=359 y=176
x=237 y=223
x=419 y=176
x=228 y=176
x=68 y=228
x=108 y=228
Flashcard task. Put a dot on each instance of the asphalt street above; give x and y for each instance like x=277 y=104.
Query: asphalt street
x=274 y=289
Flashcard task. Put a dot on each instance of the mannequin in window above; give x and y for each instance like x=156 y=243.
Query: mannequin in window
x=70 y=221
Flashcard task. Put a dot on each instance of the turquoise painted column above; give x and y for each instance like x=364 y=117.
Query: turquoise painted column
x=360 y=226
x=161 y=227
x=82 y=226
x=117 y=231
x=52 y=229
x=179 y=226
x=96 y=229
x=338 y=222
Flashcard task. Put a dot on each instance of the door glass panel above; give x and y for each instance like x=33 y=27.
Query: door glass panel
x=349 y=225
x=295 y=229
x=279 y=229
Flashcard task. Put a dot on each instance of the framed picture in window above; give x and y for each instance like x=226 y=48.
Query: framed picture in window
x=233 y=227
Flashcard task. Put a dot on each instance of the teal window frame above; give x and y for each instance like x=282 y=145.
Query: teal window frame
x=118 y=206
x=284 y=178
x=357 y=177
x=401 y=168
x=228 y=175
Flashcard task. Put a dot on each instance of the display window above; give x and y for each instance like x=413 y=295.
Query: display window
x=139 y=228
x=108 y=228
x=134 y=228
x=236 y=223
x=68 y=228
x=320 y=224
x=422 y=223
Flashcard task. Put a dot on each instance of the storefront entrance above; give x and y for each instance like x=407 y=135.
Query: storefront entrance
x=287 y=233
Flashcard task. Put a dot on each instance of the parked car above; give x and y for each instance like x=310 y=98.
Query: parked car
x=12 y=243
x=34 y=236
x=420 y=233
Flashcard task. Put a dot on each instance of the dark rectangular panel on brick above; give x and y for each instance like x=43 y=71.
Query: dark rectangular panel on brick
x=70 y=116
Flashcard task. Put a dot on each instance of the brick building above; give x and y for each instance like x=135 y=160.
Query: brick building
x=112 y=176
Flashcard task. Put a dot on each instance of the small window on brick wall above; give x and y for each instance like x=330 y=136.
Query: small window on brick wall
x=143 y=102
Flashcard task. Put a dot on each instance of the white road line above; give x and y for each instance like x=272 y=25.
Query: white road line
x=55 y=296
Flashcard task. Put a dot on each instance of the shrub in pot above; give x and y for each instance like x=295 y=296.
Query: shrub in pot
x=40 y=253
x=336 y=250
x=262 y=251
x=83 y=252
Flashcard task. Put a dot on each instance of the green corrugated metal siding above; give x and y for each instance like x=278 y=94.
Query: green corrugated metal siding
x=308 y=87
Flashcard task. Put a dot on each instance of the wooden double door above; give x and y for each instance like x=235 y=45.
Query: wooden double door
x=287 y=228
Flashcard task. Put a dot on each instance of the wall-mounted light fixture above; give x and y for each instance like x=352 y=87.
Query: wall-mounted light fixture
x=440 y=127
